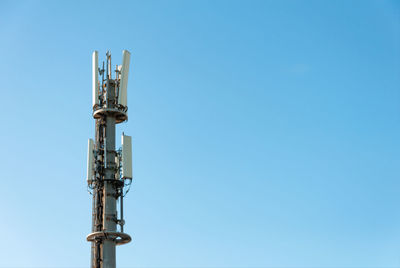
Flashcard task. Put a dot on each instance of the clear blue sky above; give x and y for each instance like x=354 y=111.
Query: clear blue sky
x=266 y=133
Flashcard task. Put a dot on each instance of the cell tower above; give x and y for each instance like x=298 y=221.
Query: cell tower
x=109 y=173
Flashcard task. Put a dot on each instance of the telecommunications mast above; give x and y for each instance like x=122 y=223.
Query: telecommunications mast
x=109 y=170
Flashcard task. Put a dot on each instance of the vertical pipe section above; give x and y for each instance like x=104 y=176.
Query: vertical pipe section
x=93 y=244
x=90 y=173
x=122 y=210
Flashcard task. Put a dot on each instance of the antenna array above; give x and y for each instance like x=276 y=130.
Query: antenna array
x=109 y=173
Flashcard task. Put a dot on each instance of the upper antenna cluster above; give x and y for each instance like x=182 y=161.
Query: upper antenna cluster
x=104 y=100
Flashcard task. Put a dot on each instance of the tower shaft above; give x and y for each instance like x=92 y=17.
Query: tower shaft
x=104 y=164
x=109 y=191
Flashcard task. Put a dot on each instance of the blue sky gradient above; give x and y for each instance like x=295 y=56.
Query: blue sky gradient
x=265 y=133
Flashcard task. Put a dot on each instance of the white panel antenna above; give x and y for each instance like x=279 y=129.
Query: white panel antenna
x=90 y=161
x=126 y=156
x=95 y=78
x=122 y=96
